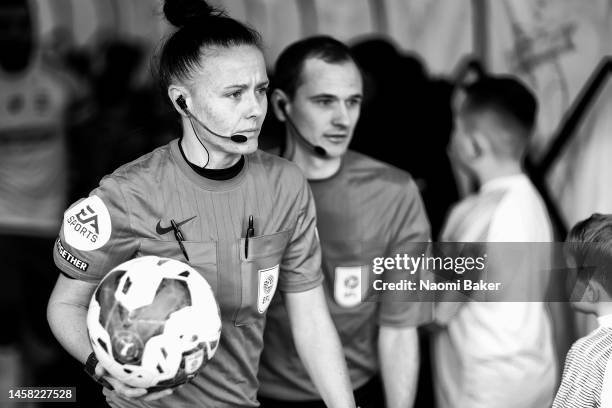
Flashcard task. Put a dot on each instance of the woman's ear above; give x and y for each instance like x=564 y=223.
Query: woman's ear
x=180 y=98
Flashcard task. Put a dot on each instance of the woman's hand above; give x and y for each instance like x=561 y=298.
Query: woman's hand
x=127 y=391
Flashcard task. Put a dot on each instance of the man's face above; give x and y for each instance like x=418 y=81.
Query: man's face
x=327 y=103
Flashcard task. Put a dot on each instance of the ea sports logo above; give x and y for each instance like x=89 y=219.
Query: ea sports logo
x=88 y=216
x=87 y=225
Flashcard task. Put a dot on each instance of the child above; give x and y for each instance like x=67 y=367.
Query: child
x=587 y=377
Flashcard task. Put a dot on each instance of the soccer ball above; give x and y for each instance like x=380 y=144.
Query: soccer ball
x=153 y=322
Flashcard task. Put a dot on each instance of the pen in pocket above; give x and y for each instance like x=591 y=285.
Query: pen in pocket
x=249 y=234
x=179 y=237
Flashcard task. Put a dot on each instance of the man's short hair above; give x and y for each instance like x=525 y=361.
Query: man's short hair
x=290 y=63
x=590 y=246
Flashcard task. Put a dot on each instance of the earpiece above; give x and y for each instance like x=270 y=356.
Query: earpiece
x=180 y=101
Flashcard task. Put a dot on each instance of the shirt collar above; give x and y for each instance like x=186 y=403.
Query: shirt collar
x=605 y=320
x=503 y=183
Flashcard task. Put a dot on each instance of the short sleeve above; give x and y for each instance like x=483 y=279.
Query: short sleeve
x=410 y=235
x=95 y=235
x=301 y=264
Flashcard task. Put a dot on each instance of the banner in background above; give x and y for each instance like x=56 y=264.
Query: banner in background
x=552 y=45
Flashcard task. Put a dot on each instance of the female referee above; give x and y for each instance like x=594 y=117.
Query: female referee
x=208 y=189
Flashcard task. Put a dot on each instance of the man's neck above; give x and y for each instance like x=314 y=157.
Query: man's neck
x=212 y=159
x=314 y=167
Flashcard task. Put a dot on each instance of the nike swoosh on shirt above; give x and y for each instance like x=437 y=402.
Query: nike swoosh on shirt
x=164 y=230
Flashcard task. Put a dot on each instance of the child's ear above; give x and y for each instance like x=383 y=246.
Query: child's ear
x=592 y=293
x=480 y=143
x=476 y=149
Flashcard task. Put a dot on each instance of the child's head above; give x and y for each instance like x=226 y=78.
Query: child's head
x=589 y=253
x=494 y=120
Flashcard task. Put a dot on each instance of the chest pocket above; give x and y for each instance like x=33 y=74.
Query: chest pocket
x=259 y=275
x=202 y=257
x=348 y=270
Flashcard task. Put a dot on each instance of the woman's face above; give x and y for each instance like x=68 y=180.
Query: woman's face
x=229 y=96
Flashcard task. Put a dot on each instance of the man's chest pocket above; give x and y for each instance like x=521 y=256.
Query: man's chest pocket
x=348 y=270
x=202 y=256
x=259 y=275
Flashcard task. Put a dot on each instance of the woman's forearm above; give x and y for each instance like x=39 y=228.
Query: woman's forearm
x=67 y=316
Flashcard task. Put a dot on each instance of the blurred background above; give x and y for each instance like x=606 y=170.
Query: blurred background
x=84 y=101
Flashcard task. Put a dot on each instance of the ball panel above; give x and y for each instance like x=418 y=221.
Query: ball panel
x=191 y=361
x=105 y=294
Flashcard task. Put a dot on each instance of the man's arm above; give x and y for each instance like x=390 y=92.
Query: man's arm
x=318 y=345
x=67 y=316
x=398 y=350
x=401 y=312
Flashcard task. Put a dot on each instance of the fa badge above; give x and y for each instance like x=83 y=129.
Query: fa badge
x=347 y=285
x=268 y=278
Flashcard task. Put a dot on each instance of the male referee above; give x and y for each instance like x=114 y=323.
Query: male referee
x=365 y=209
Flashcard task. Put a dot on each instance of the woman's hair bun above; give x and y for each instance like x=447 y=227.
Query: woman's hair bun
x=180 y=12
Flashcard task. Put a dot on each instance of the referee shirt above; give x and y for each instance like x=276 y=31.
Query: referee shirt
x=129 y=215
x=368 y=209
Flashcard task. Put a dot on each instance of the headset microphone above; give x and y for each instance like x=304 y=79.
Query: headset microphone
x=320 y=151
x=180 y=101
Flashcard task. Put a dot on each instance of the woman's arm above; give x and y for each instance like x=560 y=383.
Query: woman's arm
x=317 y=343
x=67 y=316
